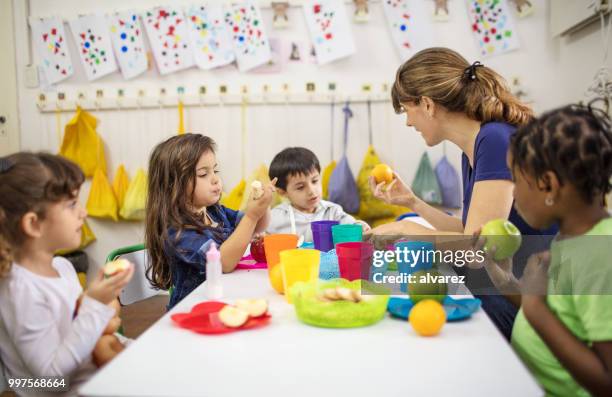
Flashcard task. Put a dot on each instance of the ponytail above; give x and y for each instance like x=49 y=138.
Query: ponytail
x=449 y=80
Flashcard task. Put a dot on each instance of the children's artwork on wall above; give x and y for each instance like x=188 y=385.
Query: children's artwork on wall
x=93 y=42
x=329 y=29
x=51 y=46
x=408 y=22
x=362 y=13
x=280 y=19
x=127 y=37
x=169 y=38
x=523 y=7
x=278 y=57
x=249 y=39
x=210 y=37
x=441 y=13
x=492 y=26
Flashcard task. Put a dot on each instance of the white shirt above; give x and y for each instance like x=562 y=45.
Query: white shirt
x=280 y=218
x=38 y=334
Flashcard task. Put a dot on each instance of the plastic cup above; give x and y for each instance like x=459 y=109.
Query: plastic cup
x=347 y=233
x=354 y=259
x=424 y=260
x=322 y=235
x=273 y=245
x=299 y=265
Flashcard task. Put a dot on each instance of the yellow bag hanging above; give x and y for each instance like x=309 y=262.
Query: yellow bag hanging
x=135 y=202
x=181 y=116
x=327 y=171
x=234 y=198
x=120 y=185
x=102 y=202
x=260 y=174
x=82 y=144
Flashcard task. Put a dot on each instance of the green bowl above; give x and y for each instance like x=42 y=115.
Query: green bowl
x=338 y=314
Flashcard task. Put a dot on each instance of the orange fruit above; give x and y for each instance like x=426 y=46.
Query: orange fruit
x=382 y=173
x=276 y=278
x=427 y=317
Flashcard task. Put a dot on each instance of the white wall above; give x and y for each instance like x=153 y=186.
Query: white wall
x=554 y=72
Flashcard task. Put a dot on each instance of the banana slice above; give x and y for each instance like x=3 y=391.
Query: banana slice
x=255 y=307
x=257 y=190
x=233 y=317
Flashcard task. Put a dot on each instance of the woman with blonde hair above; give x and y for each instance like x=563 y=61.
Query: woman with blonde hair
x=445 y=98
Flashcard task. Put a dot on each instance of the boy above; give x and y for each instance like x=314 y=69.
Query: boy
x=299 y=180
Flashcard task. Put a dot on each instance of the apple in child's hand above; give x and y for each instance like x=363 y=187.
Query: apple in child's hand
x=502 y=235
x=382 y=173
x=255 y=307
x=116 y=266
x=257 y=250
x=233 y=317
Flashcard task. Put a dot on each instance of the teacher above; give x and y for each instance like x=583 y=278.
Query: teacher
x=447 y=99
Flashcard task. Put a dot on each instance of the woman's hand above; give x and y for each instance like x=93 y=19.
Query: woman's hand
x=105 y=290
x=257 y=208
x=396 y=193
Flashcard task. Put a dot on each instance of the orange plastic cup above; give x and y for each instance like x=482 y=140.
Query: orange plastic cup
x=299 y=265
x=273 y=245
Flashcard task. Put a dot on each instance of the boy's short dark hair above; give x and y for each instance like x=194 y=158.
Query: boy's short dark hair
x=293 y=161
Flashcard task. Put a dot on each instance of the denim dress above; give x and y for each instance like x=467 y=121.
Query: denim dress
x=186 y=251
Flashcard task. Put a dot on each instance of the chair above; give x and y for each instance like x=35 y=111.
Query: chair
x=139 y=287
x=142 y=304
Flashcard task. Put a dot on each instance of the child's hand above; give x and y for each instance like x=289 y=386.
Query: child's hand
x=105 y=290
x=396 y=192
x=256 y=209
x=500 y=272
x=535 y=277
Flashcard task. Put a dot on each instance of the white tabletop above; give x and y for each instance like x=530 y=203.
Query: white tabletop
x=288 y=358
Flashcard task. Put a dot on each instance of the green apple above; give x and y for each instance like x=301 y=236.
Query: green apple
x=502 y=235
x=430 y=289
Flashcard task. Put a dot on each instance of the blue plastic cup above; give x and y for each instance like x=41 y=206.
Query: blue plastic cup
x=419 y=257
x=322 y=235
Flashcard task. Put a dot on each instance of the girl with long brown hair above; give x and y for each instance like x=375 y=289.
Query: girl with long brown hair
x=41 y=333
x=445 y=98
x=184 y=216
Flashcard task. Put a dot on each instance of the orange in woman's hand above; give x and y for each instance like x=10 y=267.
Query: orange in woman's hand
x=382 y=173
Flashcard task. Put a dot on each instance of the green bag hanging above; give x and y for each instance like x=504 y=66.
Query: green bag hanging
x=425 y=184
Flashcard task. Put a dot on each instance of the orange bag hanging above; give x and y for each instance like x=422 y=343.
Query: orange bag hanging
x=82 y=144
x=121 y=183
x=134 y=206
x=102 y=202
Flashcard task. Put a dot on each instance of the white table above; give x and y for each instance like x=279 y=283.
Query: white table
x=288 y=358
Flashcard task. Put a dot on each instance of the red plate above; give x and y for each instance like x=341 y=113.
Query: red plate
x=204 y=319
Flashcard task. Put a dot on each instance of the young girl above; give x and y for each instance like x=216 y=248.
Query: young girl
x=561 y=165
x=40 y=332
x=184 y=216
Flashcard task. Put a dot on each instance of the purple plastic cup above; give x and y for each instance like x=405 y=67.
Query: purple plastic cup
x=322 y=235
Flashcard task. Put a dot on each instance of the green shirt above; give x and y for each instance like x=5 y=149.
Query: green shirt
x=580 y=295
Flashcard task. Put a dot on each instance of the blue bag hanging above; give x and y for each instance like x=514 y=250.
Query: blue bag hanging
x=450 y=184
x=342 y=186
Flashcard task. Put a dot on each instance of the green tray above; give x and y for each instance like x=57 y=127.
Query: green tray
x=338 y=314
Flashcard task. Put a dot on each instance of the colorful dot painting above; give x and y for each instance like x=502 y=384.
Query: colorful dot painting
x=329 y=29
x=210 y=36
x=127 y=38
x=91 y=35
x=492 y=26
x=249 y=40
x=169 y=38
x=407 y=21
x=50 y=43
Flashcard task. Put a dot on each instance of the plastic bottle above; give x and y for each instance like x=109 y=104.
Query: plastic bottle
x=213 y=286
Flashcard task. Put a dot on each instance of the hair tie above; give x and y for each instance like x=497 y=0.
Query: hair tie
x=5 y=164
x=470 y=71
